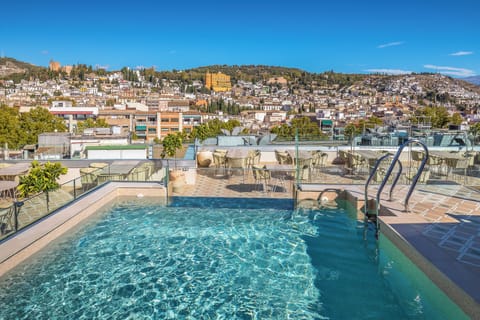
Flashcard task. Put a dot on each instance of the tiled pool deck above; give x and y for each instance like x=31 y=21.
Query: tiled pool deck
x=440 y=233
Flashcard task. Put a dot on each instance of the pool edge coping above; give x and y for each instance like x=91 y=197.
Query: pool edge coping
x=451 y=289
x=448 y=286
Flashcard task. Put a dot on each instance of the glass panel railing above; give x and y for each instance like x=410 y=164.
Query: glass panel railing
x=31 y=210
x=252 y=171
x=256 y=181
x=16 y=214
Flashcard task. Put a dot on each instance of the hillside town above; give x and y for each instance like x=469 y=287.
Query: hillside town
x=147 y=110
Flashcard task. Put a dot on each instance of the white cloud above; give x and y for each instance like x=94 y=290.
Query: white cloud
x=45 y=52
x=389 y=71
x=452 y=71
x=461 y=53
x=390 y=44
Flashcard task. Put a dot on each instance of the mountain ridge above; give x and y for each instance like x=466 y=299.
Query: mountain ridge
x=474 y=79
x=10 y=68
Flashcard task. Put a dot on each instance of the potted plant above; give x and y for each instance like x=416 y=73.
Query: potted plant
x=41 y=178
x=171 y=143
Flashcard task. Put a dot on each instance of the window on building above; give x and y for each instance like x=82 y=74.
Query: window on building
x=165 y=120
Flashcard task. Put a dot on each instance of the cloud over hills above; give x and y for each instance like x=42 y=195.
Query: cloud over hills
x=451 y=71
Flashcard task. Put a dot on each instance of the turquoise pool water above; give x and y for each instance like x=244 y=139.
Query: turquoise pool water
x=212 y=259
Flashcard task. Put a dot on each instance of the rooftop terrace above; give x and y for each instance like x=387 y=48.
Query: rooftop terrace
x=439 y=232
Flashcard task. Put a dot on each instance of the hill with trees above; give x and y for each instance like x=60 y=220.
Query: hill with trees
x=11 y=69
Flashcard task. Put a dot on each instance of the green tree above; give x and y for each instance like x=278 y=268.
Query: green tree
x=110 y=102
x=91 y=123
x=171 y=143
x=41 y=178
x=307 y=129
x=456 y=119
x=438 y=116
x=374 y=121
x=40 y=120
x=283 y=131
x=10 y=131
x=212 y=128
x=351 y=130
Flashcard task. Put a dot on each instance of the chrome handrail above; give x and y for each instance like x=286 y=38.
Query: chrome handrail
x=415 y=178
x=372 y=174
x=389 y=172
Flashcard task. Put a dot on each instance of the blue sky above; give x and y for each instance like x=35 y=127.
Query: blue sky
x=315 y=35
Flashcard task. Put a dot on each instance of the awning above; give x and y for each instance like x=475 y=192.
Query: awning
x=327 y=123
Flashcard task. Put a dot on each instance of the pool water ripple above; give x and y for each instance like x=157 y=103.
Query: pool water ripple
x=173 y=263
x=209 y=260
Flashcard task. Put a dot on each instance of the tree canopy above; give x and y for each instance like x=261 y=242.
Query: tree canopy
x=307 y=129
x=436 y=115
x=212 y=128
x=171 y=143
x=10 y=130
x=91 y=123
x=42 y=177
x=18 y=129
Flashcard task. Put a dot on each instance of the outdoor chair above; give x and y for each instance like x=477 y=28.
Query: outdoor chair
x=253 y=157
x=262 y=177
x=149 y=168
x=283 y=157
x=435 y=164
x=237 y=165
x=357 y=163
x=354 y=163
x=138 y=174
x=319 y=159
x=304 y=166
x=460 y=169
x=220 y=161
x=417 y=156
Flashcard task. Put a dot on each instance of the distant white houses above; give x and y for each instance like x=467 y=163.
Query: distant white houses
x=72 y=114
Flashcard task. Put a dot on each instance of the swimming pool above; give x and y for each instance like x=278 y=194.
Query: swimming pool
x=210 y=258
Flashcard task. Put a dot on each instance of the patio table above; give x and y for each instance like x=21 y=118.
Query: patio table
x=9 y=173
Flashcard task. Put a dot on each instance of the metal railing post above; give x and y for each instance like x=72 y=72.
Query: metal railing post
x=74 y=190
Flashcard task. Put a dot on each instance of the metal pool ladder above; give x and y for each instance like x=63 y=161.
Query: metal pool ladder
x=387 y=176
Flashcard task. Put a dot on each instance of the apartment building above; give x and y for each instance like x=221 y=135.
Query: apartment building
x=150 y=125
